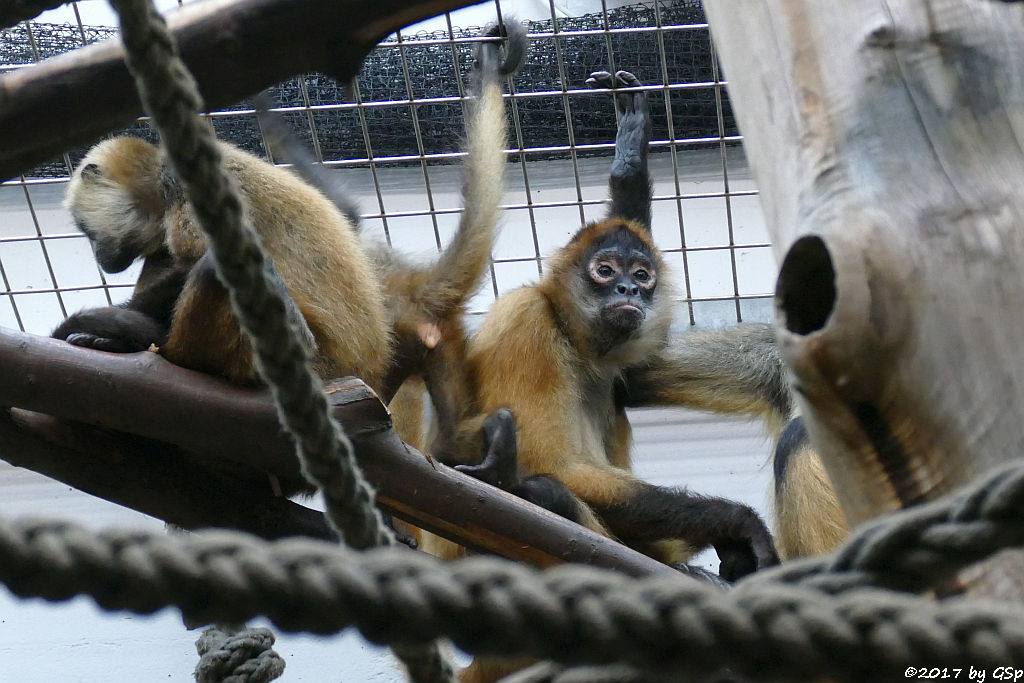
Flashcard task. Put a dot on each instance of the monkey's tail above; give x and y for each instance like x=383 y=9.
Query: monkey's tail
x=462 y=264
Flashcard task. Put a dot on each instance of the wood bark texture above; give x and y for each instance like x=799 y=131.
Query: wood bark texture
x=233 y=433
x=234 y=48
x=887 y=139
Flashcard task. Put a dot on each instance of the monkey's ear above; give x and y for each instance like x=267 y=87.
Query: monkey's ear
x=91 y=171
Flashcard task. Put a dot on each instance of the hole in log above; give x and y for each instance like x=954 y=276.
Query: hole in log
x=806 y=292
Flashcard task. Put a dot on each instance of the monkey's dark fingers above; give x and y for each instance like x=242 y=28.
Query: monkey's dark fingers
x=92 y=341
x=764 y=548
x=629 y=102
x=600 y=79
x=737 y=560
x=625 y=79
x=701 y=574
x=111 y=328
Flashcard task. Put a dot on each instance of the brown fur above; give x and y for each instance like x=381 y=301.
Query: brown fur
x=809 y=520
x=552 y=372
x=319 y=259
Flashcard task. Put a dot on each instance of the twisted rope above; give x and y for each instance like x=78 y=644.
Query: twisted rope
x=572 y=615
x=169 y=94
x=257 y=296
x=919 y=547
x=237 y=657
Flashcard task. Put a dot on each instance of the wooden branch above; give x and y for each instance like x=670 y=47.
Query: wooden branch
x=145 y=395
x=152 y=478
x=233 y=47
x=13 y=11
x=887 y=137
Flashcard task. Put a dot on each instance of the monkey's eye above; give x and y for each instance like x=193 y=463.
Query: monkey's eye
x=641 y=275
x=604 y=270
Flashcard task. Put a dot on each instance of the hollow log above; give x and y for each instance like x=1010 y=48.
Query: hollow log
x=144 y=395
x=887 y=139
x=234 y=48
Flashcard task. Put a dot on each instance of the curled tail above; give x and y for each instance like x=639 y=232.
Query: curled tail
x=461 y=267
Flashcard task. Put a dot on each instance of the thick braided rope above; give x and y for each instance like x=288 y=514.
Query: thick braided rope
x=919 y=547
x=571 y=614
x=169 y=94
x=244 y=656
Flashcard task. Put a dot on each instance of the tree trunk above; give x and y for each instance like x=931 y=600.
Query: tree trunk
x=886 y=138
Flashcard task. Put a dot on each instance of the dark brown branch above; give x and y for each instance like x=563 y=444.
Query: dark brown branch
x=151 y=477
x=13 y=11
x=234 y=48
x=144 y=395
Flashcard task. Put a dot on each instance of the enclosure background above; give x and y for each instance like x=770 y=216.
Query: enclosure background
x=396 y=144
x=403 y=169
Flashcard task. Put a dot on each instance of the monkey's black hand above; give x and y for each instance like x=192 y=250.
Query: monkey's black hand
x=629 y=181
x=500 y=466
x=111 y=328
x=633 y=121
x=750 y=547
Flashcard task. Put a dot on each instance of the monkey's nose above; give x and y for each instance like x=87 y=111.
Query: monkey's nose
x=623 y=288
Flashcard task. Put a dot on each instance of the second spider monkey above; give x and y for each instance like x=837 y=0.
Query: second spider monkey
x=539 y=396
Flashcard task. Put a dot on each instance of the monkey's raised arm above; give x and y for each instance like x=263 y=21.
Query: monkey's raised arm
x=630 y=181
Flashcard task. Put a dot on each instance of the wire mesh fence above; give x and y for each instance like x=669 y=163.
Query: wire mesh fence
x=395 y=138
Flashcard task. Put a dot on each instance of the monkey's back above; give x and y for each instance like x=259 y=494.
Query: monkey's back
x=320 y=259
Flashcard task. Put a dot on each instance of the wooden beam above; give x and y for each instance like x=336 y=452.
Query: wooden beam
x=234 y=48
x=887 y=139
x=143 y=394
x=889 y=163
x=153 y=478
x=19 y=10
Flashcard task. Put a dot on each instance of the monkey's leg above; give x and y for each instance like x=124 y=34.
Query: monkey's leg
x=630 y=181
x=205 y=335
x=642 y=514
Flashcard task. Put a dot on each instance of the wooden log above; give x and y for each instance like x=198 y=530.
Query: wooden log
x=886 y=139
x=234 y=48
x=19 y=10
x=143 y=394
x=152 y=478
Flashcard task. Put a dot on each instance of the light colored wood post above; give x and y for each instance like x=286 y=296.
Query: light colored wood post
x=887 y=139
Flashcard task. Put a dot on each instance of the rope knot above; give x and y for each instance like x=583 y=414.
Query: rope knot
x=230 y=656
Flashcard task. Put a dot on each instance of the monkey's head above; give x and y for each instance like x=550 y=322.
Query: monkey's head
x=610 y=273
x=117 y=197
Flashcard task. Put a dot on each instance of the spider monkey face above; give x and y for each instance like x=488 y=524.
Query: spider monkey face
x=622 y=277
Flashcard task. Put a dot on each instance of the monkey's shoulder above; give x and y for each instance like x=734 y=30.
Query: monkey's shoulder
x=521 y=334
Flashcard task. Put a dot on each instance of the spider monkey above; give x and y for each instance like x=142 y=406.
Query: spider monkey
x=355 y=305
x=541 y=378
x=739 y=371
